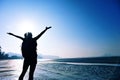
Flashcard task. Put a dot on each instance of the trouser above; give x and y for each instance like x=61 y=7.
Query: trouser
x=28 y=62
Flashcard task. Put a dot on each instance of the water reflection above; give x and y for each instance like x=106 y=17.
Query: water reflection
x=10 y=69
x=51 y=70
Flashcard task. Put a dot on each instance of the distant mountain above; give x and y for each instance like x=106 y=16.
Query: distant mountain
x=14 y=54
x=40 y=56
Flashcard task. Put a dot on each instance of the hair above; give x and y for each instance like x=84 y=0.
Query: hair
x=28 y=35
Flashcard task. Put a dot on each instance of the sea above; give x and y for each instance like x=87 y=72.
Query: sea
x=52 y=70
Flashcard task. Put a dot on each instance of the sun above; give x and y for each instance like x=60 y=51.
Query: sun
x=26 y=25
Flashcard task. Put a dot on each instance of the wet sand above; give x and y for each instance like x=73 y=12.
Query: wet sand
x=48 y=70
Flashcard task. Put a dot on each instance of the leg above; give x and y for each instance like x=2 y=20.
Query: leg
x=25 y=67
x=32 y=69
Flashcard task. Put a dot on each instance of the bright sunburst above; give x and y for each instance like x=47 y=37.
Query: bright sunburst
x=26 y=25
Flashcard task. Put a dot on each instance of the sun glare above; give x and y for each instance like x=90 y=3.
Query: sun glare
x=26 y=25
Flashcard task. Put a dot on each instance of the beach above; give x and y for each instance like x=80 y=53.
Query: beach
x=53 y=70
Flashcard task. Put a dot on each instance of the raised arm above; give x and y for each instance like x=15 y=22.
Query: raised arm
x=16 y=36
x=38 y=36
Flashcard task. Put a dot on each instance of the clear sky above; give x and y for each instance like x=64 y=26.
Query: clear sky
x=80 y=28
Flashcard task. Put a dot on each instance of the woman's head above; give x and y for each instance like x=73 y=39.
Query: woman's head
x=28 y=35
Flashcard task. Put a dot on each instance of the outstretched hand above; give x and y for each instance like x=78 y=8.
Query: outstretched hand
x=10 y=33
x=48 y=27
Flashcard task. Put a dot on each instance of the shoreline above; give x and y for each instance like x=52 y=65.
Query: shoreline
x=110 y=60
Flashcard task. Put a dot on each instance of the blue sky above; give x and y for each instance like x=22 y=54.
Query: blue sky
x=80 y=28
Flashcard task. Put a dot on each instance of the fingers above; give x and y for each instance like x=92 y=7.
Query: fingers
x=48 y=27
x=9 y=33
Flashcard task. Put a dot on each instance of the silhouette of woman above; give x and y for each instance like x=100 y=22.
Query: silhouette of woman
x=29 y=47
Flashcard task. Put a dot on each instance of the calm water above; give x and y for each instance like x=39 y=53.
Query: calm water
x=48 y=70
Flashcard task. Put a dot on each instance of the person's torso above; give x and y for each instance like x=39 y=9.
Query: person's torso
x=29 y=47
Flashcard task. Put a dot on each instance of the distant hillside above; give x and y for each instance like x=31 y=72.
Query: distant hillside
x=11 y=55
x=111 y=59
x=4 y=55
x=40 y=56
x=14 y=54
